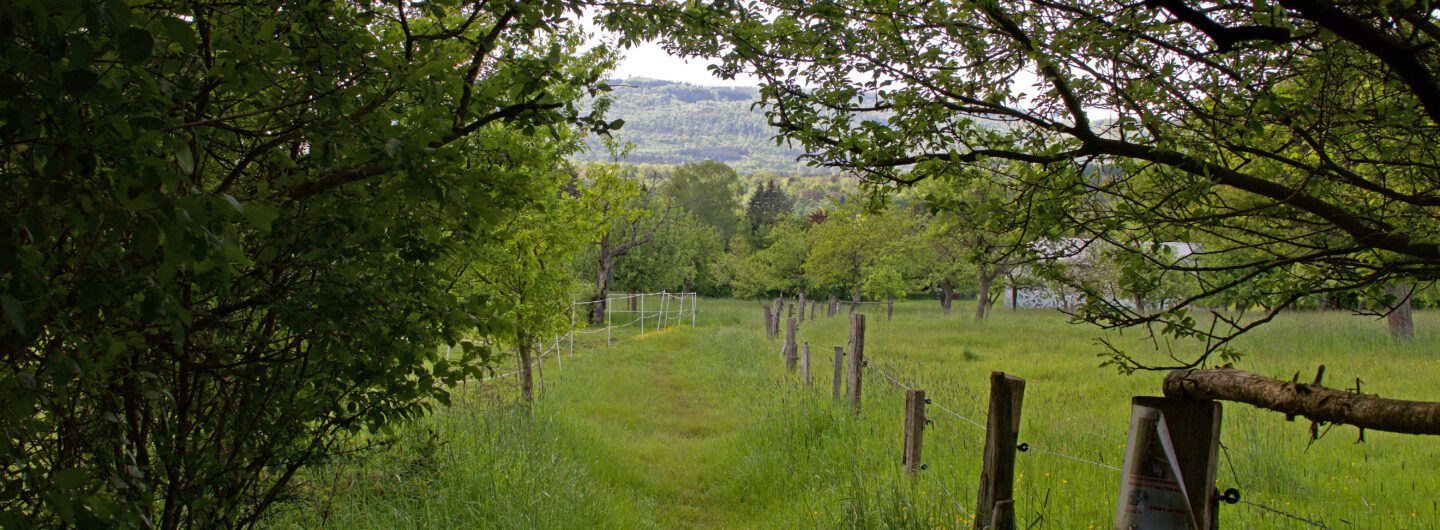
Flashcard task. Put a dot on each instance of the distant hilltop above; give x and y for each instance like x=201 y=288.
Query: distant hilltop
x=673 y=123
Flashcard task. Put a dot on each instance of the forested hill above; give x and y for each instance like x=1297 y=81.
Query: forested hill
x=674 y=123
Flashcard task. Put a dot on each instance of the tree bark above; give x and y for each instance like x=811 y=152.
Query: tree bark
x=1312 y=401
x=947 y=294
x=527 y=387
x=1139 y=305
x=982 y=299
x=1400 y=321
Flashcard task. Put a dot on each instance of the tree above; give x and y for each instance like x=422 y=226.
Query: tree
x=852 y=243
x=710 y=191
x=231 y=233
x=768 y=205
x=1299 y=130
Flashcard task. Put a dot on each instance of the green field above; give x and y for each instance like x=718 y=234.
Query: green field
x=704 y=427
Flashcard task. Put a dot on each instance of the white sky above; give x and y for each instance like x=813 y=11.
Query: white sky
x=649 y=60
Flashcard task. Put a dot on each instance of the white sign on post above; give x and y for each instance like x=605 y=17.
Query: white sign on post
x=1152 y=490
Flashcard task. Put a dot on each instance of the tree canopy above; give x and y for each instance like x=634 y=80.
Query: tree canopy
x=1289 y=141
x=232 y=234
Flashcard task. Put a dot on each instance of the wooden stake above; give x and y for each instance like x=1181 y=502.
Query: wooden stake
x=805 y=363
x=997 y=476
x=1195 y=431
x=838 y=388
x=769 y=323
x=789 y=350
x=802 y=307
x=1004 y=516
x=857 y=359
x=914 y=430
x=890 y=309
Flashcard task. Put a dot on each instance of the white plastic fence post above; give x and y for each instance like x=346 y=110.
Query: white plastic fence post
x=642 y=315
x=692 y=309
x=607 y=320
x=572 y=330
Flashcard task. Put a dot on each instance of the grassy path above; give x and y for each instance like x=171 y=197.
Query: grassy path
x=704 y=428
x=660 y=424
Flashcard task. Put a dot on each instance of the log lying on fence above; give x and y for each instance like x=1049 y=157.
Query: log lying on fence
x=1312 y=401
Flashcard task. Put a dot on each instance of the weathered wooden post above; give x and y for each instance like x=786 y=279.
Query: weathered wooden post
x=789 y=350
x=830 y=307
x=802 y=306
x=805 y=363
x=1169 y=437
x=776 y=307
x=997 y=476
x=890 y=308
x=813 y=306
x=1004 y=516
x=914 y=429
x=838 y=387
x=790 y=310
x=856 y=362
x=769 y=322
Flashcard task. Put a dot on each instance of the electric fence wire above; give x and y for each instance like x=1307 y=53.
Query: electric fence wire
x=1028 y=447
x=1315 y=524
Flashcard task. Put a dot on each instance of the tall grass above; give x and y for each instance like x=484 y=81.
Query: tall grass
x=704 y=427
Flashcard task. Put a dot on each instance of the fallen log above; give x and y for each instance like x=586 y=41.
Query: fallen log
x=1312 y=401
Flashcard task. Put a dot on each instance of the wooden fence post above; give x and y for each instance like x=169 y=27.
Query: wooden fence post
x=1194 y=428
x=890 y=308
x=830 y=307
x=997 y=476
x=1004 y=516
x=805 y=363
x=789 y=350
x=769 y=323
x=813 y=306
x=802 y=306
x=838 y=387
x=856 y=362
x=914 y=429
x=790 y=311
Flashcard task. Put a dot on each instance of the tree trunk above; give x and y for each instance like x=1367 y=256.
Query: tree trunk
x=982 y=299
x=1312 y=401
x=1401 y=323
x=527 y=387
x=1014 y=296
x=1139 y=305
x=605 y=270
x=947 y=294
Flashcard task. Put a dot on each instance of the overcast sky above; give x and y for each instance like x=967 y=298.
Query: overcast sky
x=650 y=61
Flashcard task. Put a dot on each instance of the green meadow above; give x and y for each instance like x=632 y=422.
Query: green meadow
x=703 y=427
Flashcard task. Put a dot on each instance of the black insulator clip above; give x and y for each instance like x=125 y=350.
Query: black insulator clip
x=1022 y=447
x=1231 y=496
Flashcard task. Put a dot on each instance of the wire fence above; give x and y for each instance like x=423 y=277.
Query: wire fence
x=876 y=366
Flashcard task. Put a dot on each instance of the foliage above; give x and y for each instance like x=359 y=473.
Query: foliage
x=853 y=242
x=231 y=231
x=1290 y=141
x=710 y=191
x=768 y=205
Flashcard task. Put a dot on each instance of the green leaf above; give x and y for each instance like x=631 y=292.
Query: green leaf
x=185 y=158
x=69 y=478
x=13 y=315
x=134 y=45
x=180 y=32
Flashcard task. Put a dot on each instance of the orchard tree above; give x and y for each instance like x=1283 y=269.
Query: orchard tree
x=1302 y=130
x=230 y=234
x=852 y=242
x=711 y=192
